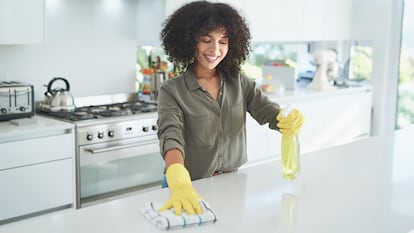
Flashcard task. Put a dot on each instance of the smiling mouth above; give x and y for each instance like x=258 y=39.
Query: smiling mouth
x=211 y=58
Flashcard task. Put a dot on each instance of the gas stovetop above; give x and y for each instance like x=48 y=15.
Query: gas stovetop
x=104 y=111
x=102 y=108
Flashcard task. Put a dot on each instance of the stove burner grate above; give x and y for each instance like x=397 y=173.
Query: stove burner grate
x=81 y=115
x=105 y=111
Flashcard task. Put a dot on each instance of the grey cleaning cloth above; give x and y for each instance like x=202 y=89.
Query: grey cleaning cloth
x=167 y=220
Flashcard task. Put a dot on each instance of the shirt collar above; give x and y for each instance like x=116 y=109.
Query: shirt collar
x=192 y=82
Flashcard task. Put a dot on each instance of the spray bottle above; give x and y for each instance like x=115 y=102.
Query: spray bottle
x=290 y=151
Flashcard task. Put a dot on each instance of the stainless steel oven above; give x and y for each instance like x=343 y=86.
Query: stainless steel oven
x=117 y=148
x=117 y=157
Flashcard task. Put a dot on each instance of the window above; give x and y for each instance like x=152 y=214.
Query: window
x=405 y=105
x=269 y=54
x=360 y=62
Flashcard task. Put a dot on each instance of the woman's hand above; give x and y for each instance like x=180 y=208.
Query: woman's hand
x=290 y=124
x=183 y=194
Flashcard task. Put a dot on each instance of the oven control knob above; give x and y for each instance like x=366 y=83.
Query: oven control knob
x=22 y=109
x=3 y=110
x=100 y=135
x=89 y=137
x=111 y=133
x=154 y=127
x=145 y=128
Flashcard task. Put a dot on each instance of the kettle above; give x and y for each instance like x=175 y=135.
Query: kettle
x=58 y=99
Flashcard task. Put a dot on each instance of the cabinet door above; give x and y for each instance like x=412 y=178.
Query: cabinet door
x=337 y=20
x=262 y=142
x=274 y=20
x=326 y=20
x=294 y=20
x=334 y=120
x=34 y=188
x=256 y=140
x=33 y=151
x=172 y=5
x=36 y=174
x=298 y=20
x=330 y=120
x=22 y=21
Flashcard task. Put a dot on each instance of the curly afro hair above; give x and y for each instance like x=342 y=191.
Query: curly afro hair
x=182 y=29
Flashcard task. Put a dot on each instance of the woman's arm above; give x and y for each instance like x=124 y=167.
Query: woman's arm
x=173 y=156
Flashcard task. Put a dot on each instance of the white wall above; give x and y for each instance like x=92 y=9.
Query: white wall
x=150 y=17
x=91 y=43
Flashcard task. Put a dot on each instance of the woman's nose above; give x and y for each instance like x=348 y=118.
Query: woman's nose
x=214 y=47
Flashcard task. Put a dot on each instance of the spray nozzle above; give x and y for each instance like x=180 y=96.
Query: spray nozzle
x=286 y=110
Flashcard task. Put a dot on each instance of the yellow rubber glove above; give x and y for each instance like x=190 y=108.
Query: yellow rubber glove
x=290 y=124
x=183 y=194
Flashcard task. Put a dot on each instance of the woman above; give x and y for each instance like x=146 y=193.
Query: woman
x=202 y=112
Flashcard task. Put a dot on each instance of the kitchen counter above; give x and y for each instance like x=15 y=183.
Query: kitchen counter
x=36 y=126
x=306 y=93
x=36 y=166
x=348 y=188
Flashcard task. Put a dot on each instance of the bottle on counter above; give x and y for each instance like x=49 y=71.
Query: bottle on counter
x=290 y=152
x=146 y=81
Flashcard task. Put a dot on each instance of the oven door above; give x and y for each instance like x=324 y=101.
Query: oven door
x=113 y=168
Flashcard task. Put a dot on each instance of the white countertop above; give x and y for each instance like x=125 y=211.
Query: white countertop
x=349 y=189
x=303 y=92
x=33 y=127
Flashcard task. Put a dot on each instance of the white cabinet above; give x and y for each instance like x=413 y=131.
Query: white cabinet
x=326 y=20
x=274 y=20
x=22 y=21
x=35 y=188
x=262 y=142
x=298 y=20
x=335 y=120
x=294 y=20
x=36 y=168
x=172 y=5
x=257 y=142
x=331 y=118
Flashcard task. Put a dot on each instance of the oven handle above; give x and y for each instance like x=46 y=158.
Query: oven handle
x=113 y=148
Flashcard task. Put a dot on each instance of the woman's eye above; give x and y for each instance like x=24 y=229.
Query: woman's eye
x=224 y=42
x=205 y=40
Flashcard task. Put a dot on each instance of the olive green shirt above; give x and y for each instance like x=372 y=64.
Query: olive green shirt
x=211 y=137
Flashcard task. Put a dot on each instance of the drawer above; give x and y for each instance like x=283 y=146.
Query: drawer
x=34 y=151
x=34 y=188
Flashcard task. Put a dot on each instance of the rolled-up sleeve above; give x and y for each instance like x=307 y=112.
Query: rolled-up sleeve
x=258 y=105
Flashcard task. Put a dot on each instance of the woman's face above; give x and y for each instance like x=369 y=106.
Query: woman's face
x=212 y=48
